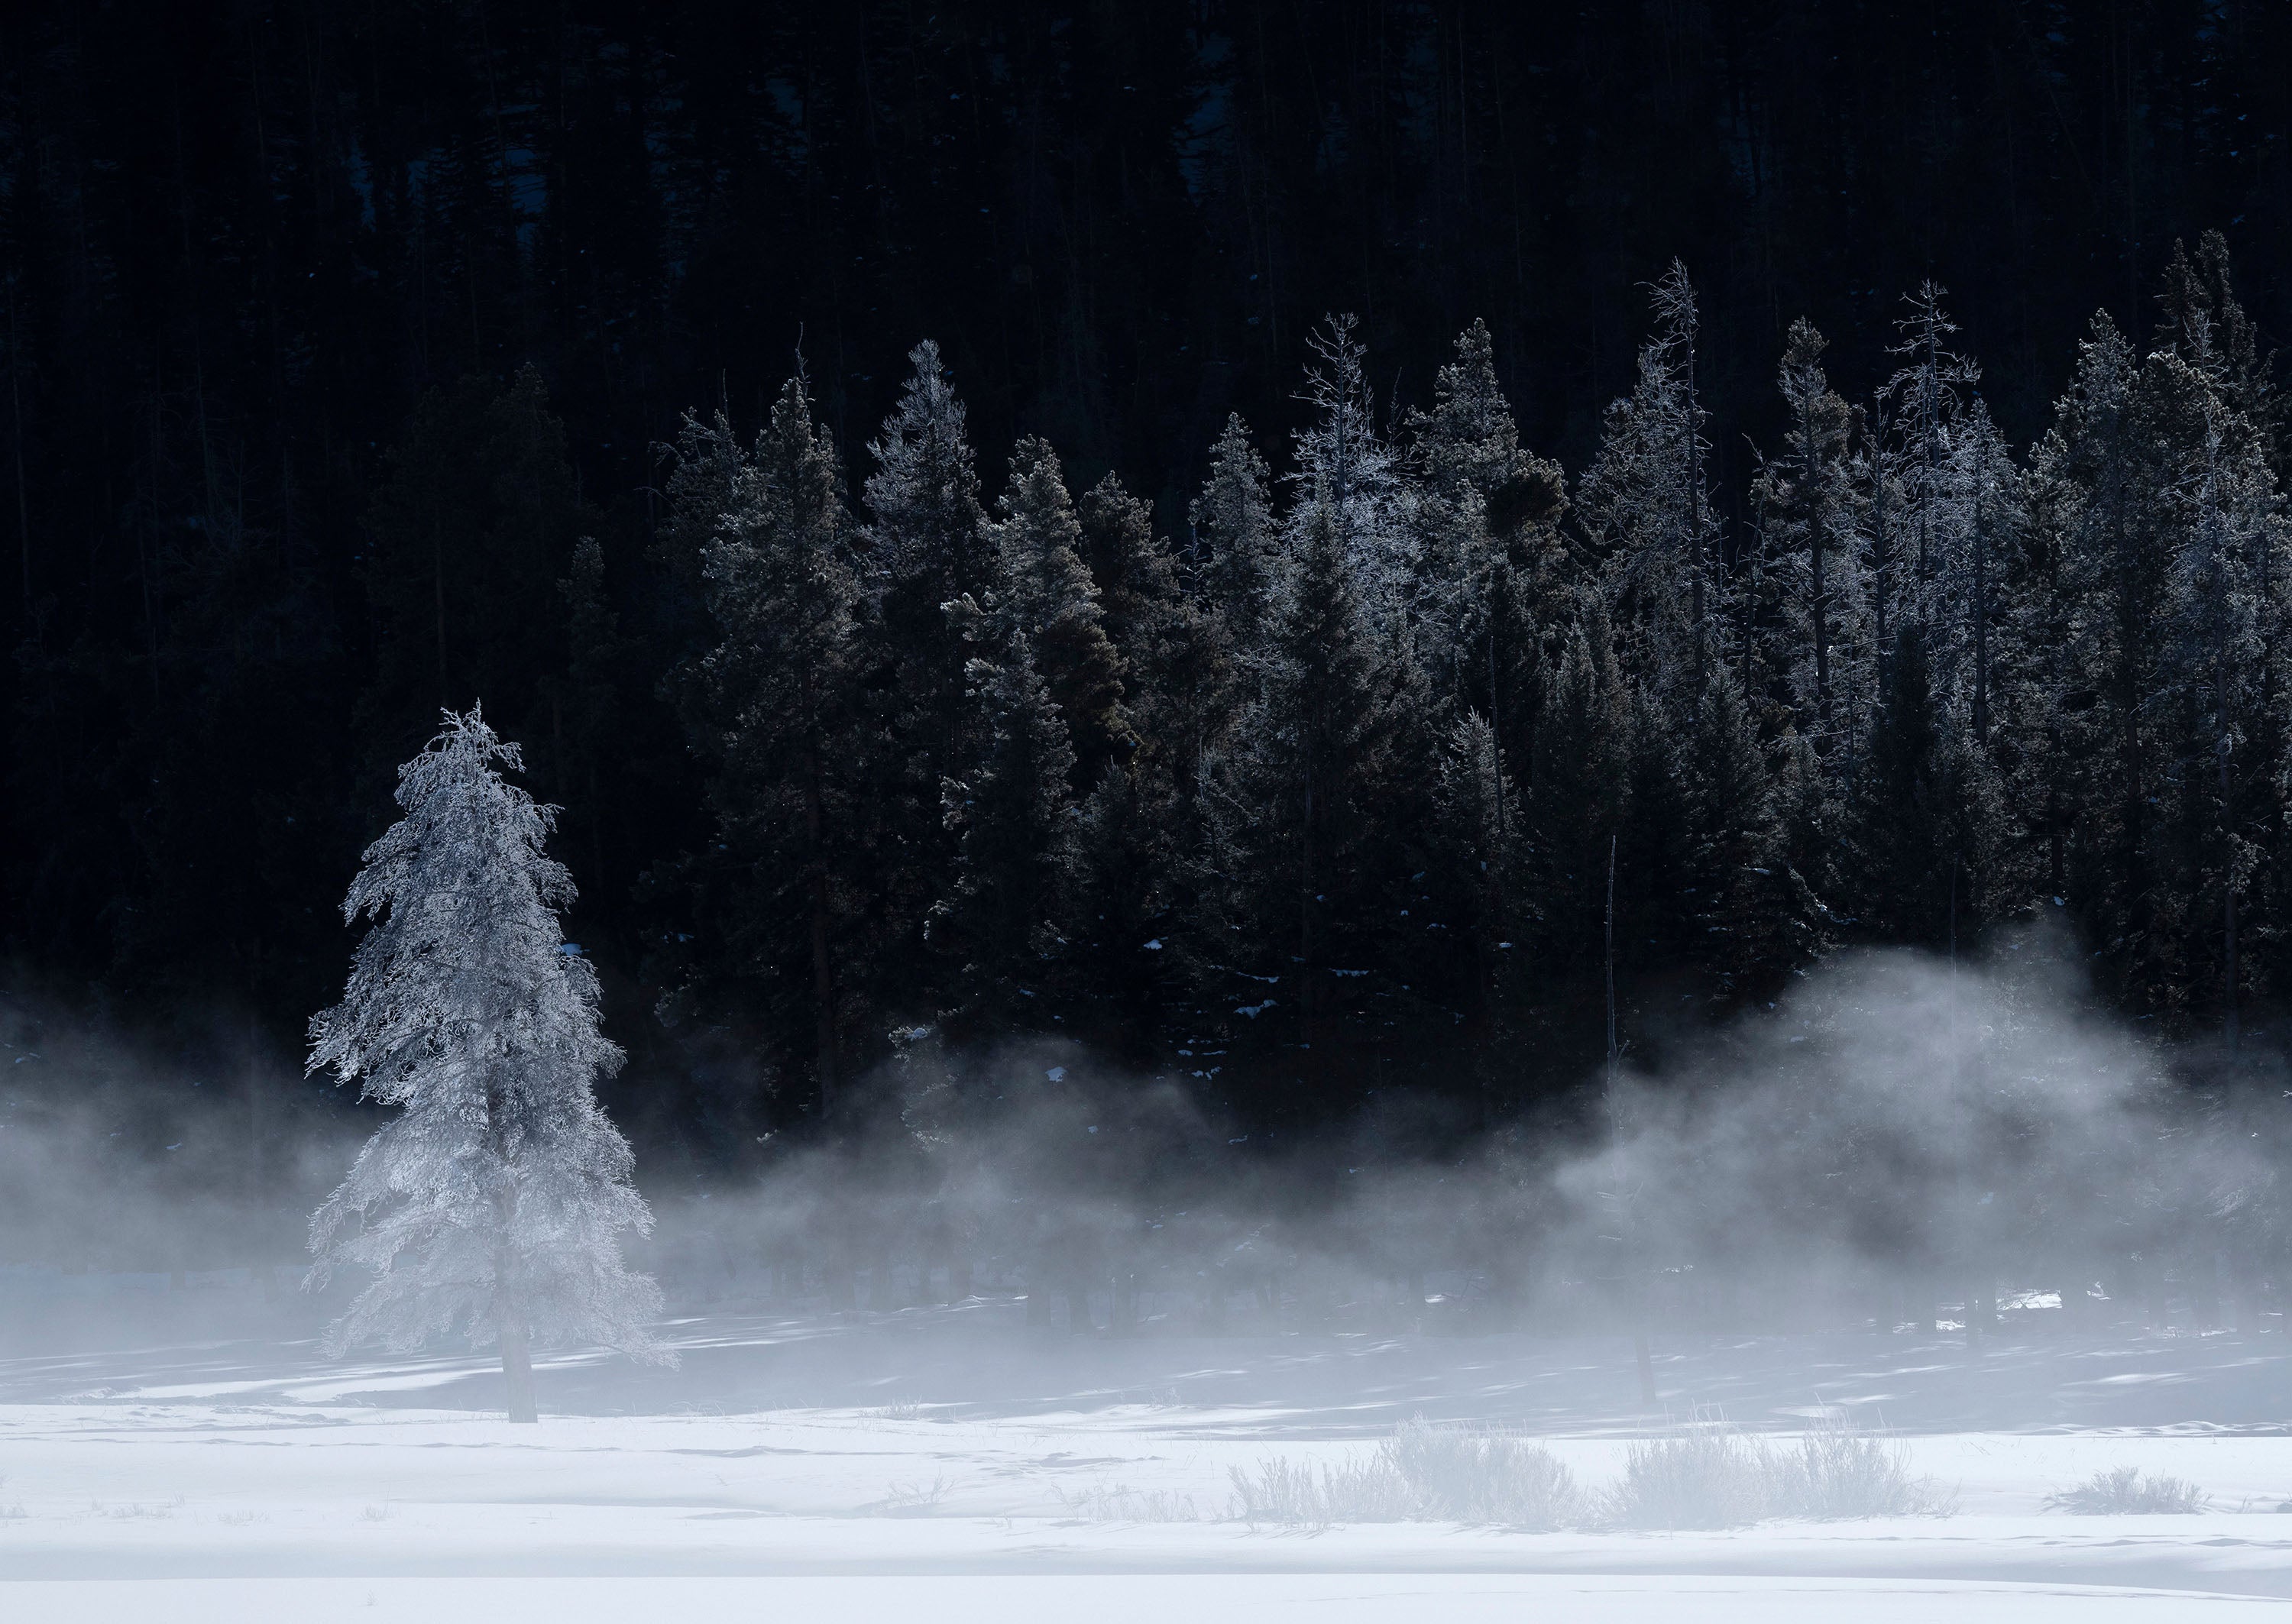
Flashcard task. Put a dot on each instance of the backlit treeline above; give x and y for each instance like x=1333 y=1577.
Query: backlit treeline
x=1337 y=784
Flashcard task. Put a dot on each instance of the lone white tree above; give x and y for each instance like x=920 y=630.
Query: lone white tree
x=492 y=1203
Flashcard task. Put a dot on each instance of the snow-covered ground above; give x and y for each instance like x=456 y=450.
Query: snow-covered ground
x=953 y=1462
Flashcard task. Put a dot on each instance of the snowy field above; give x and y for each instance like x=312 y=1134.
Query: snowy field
x=955 y=1464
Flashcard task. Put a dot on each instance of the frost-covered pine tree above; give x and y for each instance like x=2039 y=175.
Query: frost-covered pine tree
x=779 y=714
x=1351 y=476
x=1232 y=555
x=1646 y=509
x=1044 y=590
x=492 y=1203
x=1317 y=796
x=927 y=544
x=1811 y=622
x=1480 y=847
x=2215 y=689
x=1010 y=813
x=1925 y=397
x=1480 y=512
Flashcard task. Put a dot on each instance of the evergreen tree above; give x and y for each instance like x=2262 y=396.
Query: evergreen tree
x=1234 y=544
x=2206 y=326
x=1579 y=789
x=1924 y=399
x=783 y=720
x=1180 y=658
x=2204 y=322
x=2090 y=496
x=2228 y=551
x=1486 y=513
x=1655 y=903
x=1137 y=928
x=491 y=1203
x=927 y=544
x=1483 y=846
x=1312 y=774
x=1985 y=521
x=1814 y=621
x=1011 y=814
x=1755 y=915
x=705 y=466
x=1647 y=516
x=1044 y=589
x=1346 y=467
x=1909 y=839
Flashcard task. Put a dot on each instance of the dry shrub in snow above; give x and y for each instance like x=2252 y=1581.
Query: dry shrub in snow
x=1422 y=1473
x=1299 y=1494
x=2128 y=1491
x=1836 y=1470
x=1703 y=1474
x=1482 y=1475
x=1707 y=1475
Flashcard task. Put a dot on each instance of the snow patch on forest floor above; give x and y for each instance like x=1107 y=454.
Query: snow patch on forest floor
x=846 y=1460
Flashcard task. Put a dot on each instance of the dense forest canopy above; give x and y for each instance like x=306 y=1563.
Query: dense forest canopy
x=1810 y=460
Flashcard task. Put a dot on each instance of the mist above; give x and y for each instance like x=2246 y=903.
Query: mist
x=1898 y=1138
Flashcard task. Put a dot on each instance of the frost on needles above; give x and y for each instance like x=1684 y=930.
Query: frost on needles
x=492 y=1203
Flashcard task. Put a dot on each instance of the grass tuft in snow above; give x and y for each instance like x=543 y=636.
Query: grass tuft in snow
x=2128 y=1491
x=906 y=1499
x=1120 y=1503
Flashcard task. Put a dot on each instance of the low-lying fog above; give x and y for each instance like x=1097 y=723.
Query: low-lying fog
x=1901 y=1142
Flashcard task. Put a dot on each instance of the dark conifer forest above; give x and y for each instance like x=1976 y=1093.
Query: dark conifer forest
x=1281 y=549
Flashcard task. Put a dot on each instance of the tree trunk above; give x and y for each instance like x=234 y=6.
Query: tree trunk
x=517 y=1361
x=1881 y=554
x=823 y=979
x=2228 y=889
x=23 y=500
x=1819 y=597
x=1306 y=913
x=1980 y=603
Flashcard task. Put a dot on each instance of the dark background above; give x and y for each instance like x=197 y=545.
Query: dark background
x=239 y=244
